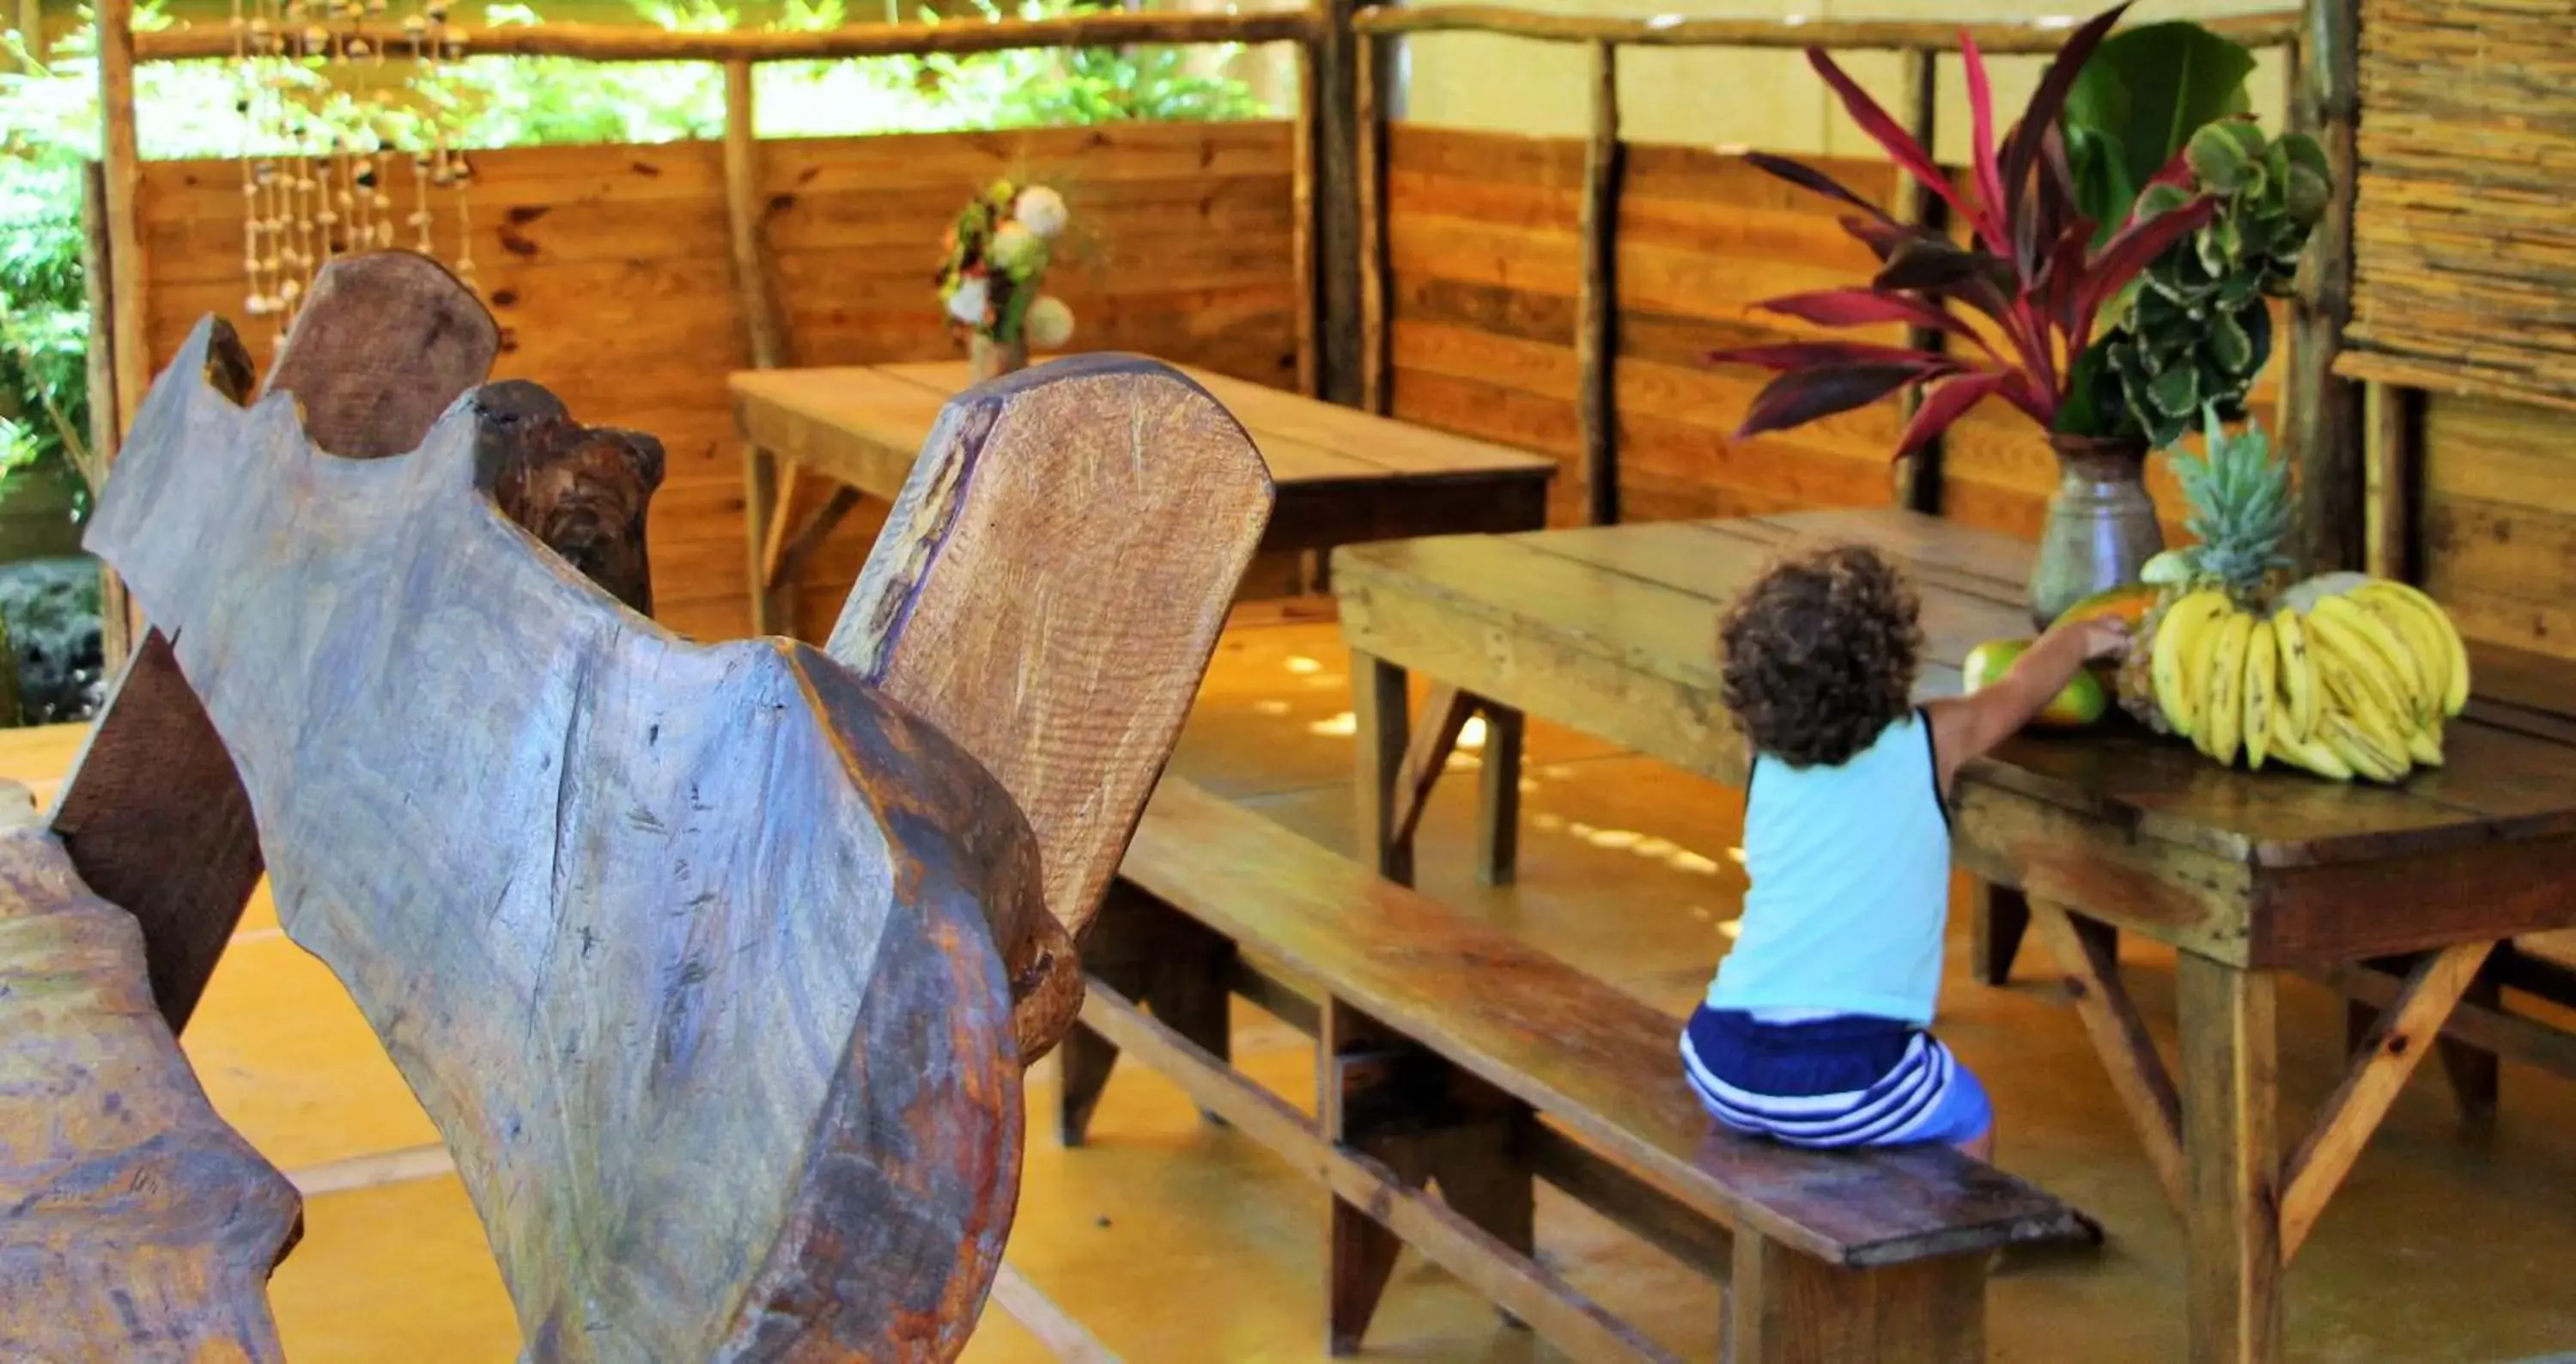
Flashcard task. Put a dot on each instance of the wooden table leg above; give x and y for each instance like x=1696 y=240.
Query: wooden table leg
x=2002 y=916
x=1378 y=705
x=759 y=508
x=1498 y=797
x=2231 y=1160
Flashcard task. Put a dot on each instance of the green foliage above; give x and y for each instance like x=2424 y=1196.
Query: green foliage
x=2137 y=102
x=49 y=127
x=2194 y=329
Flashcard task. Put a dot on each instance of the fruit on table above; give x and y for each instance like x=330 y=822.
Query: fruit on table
x=2080 y=703
x=2343 y=675
x=2130 y=604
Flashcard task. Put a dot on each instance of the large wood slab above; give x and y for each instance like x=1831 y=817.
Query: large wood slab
x=696 y=955
x=139 y=1225
x=1612 y=630
x=1342 y=476
x=1048 y=591
x=153 y=815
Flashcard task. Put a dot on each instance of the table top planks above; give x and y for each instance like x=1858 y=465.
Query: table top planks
x=1636 y=606
x=863 y=425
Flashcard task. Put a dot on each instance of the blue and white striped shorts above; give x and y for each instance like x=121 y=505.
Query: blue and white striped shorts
x=1840 y=1081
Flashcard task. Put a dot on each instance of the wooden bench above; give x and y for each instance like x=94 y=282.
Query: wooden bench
x=1450 y=1055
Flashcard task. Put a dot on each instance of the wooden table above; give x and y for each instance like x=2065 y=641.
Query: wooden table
x=1343 y=476
x=1611 y=631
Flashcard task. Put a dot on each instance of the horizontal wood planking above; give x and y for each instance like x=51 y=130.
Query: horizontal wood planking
x=1484 y=262
x=2498 y=519
x=606 y=267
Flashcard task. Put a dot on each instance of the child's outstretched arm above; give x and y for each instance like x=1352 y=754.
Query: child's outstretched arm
x=1968 y=727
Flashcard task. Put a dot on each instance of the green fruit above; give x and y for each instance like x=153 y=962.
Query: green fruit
x=2080 y=705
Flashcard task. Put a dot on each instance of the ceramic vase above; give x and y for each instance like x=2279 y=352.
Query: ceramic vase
x=2101 y=526
x=992 y=359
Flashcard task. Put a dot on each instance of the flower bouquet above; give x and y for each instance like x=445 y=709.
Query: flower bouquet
x=997 y=256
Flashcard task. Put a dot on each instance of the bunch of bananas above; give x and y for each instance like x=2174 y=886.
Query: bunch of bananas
x=2345 y=676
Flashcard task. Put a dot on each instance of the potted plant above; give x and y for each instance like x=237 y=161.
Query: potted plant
x=2109 y=307
x=997 y=256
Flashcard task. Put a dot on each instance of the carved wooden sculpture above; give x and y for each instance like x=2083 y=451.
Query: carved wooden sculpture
x=1048 y=590
x=690 y=952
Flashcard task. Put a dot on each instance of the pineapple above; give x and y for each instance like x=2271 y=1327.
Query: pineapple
x=2240 y=511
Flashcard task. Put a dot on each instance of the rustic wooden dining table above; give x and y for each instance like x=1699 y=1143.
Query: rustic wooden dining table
x=1342 y=476
x=2248 y=876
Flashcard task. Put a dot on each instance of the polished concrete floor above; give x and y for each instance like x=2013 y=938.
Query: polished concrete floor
x=1173 y=1241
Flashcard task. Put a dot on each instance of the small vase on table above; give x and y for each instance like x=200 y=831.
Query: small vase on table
x=2101 y=527
x=992 y=359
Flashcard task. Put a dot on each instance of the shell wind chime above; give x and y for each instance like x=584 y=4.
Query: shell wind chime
x=316 y=180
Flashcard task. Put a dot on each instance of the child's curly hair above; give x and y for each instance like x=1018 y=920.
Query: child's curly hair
x=1820 y=654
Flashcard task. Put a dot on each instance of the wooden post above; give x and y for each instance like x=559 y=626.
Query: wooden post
x=2231 y=1160
x=1301 y=218
x=31 y=26
x=1596 y=336
x=116 y=627
x=2325 y=409
x=129 y=370
x=2391 y=476
x=1918 y=478
x=1376 y=363
x=1339 y=111
x=769 y=484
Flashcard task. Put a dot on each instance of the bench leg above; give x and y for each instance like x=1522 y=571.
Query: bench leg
x=1379 y=707
x=1498 y=797
x=2002 y=916
x=1789 y=1308
x=1174 y=966
x=1433 y=1125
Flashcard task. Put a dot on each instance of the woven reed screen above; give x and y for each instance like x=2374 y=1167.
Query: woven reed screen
x=2464 y=232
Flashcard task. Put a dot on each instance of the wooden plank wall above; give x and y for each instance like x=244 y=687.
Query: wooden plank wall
x=1483 y=263
x=2497 y=516
x=607 y=269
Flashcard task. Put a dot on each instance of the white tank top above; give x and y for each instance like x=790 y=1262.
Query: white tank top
x=1850 y=893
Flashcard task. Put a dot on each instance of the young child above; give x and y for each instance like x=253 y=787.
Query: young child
x=1813 y=1032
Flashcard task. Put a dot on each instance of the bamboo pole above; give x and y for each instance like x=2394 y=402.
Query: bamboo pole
x=119 y=175
x=1918 y=478
x=115 y=616
x=769 y=499
x=2032 y=38
x=605 y=43
x=1301 y=220
x=2391 y=461
x=1376 y=360
x=1596 y=336
x=2325 y=408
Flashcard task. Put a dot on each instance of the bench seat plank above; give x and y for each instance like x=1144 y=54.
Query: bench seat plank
x=1581 y=1052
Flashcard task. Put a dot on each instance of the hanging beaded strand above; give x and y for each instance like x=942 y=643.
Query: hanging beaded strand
x=245 y=109
x=460 y=175
x=424 y=51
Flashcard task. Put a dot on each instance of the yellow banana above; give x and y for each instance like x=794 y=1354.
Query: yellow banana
x=2425 y=745
x=2344 y=655
x=2298 y=672
x=2222 y=704
x=2360 y=750
x=2367 y=711
x=2423 y=641
x=2185 y=622
x=2262 y=664
x=2312 y=754
x=2455 y=654
x=2419 y=696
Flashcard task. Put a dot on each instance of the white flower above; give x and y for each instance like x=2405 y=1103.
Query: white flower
x=966 y=303
x=1018 y=251
x=1040 y=210
x=1048 y=323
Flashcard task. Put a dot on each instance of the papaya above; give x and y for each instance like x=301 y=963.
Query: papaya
x=2082 y=703
x=2130 y=603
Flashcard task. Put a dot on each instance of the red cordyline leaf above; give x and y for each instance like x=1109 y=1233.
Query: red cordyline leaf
x=1797 y=355
x=1981 y=141
x=1944 y=403
x=2021 y=150
x=1809 y=178
x=1802 y=396
x=1888 y=133
x=2132 y=250
x=1864 y=307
